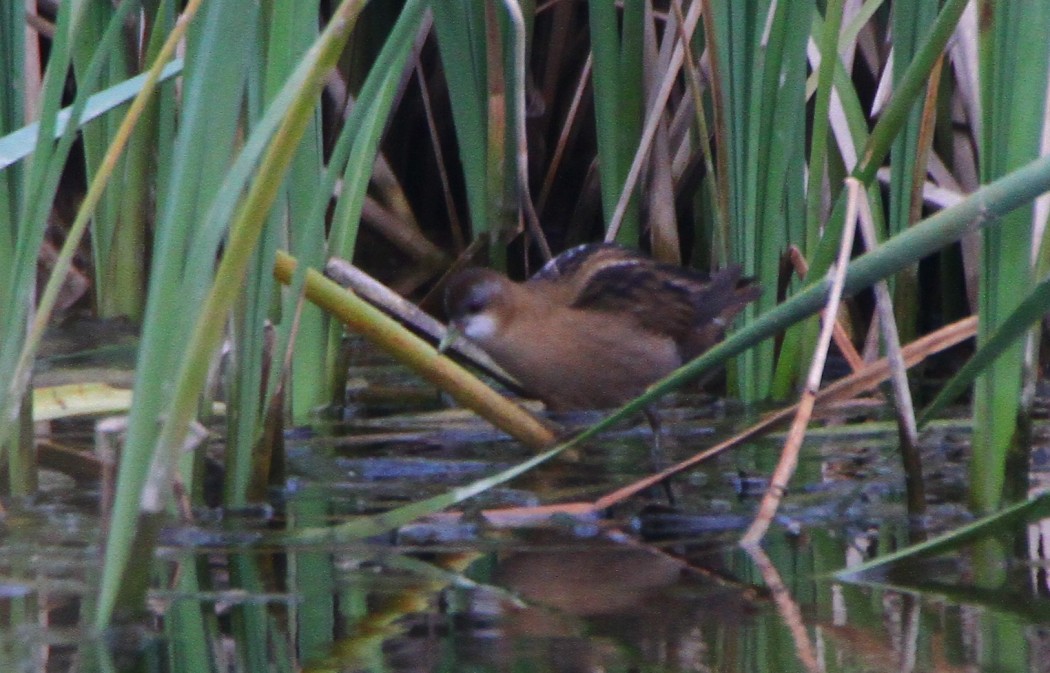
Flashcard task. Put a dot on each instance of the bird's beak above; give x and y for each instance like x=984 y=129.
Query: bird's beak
x=452 y=334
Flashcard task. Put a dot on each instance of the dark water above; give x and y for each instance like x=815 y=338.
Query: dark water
x=656 y=584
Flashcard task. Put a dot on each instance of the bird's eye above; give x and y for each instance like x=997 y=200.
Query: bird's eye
x=475 y=305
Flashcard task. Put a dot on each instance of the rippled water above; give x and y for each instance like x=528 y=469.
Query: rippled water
x=657 y=583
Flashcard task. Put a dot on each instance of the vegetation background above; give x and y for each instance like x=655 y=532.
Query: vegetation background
x=155 y=155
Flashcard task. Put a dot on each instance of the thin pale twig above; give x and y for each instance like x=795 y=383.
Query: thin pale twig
x=789 y=456
x=663 y=225
x=909 y=435
x=788 y=608
x=363 y=318
x=843 y=389
x=704 y=137
x=652 y=122
x=517 y=22
x=456 y=226
x=377 y=294
x=841 y=336
x=846 y=388
x=566 y=133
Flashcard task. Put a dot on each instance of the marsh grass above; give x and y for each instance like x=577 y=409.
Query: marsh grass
x=403 y=149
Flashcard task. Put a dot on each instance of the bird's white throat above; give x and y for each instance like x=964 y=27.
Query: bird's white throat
x=479 y=327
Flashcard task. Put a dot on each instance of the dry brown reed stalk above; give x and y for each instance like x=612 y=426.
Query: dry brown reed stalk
x=412 y=351
x=404 y=234
x=455 y=224
x=788 y=609
x=382 y=297
x=532 y=221
x=718 y=197
x=847 y=388
x=654 y=116
x=925 y=141
x=840 y=335
x=778 y=483
x=567 y=132
x=902 y=402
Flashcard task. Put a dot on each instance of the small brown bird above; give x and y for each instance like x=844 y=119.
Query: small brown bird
x=597 y=325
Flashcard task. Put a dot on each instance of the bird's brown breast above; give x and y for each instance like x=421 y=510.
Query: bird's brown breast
x=579 y=359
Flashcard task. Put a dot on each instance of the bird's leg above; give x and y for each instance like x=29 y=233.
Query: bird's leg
x=656 y=424
x=657 y=459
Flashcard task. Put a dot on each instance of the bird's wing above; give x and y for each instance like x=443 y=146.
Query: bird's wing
x=664 y=303
x=589 y=255
x=663 y=299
